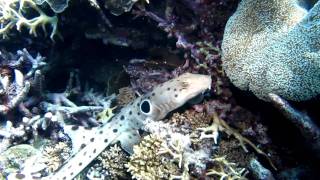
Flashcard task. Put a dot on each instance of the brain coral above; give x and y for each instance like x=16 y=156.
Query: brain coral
x=273 y=46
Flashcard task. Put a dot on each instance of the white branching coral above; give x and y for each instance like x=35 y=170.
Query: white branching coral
x=223 y=169
x=13 y=14
x=219 y=125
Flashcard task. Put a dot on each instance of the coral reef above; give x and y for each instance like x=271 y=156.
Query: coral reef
x=54 y=155
x=110 y=165
x=189 y=120
x=125 y=96
x=191 y=126
x=145 y=163
x=14 y=158
x=56 y=6
x=114 y=160
x=272 y=48
x=119 y=7
x=223 y=169
x=13 y=13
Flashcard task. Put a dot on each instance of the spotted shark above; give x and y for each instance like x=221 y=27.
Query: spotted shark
x=124 y=126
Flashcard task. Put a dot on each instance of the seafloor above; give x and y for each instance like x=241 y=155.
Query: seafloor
x=102 y=56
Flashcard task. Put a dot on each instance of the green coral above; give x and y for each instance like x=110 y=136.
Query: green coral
x=13 y=14
x=273 y=47
x=14 y=158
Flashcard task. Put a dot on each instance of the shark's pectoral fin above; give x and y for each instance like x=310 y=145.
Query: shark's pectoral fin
x=128 y=140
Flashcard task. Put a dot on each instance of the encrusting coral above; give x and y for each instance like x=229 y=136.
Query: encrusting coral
x=13 y=14
x=273 y=47
x=190 y=119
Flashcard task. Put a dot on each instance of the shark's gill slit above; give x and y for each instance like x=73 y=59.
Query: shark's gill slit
x=145 y=106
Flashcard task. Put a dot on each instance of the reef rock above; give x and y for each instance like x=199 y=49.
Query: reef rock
x=14 y=158
x=273 y=47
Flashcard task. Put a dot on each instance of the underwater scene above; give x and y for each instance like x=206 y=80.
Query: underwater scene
x=160 y=89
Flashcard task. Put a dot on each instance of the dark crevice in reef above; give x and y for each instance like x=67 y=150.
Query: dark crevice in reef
x=286 y=138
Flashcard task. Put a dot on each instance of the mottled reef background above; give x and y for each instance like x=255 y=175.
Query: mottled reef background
x=153 y=43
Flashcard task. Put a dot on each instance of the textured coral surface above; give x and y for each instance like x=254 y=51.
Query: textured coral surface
x=272 y=47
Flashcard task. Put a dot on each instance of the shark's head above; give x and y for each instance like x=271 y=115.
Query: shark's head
x=173 y=94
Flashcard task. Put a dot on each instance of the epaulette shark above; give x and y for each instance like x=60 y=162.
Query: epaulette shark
x=124 y=126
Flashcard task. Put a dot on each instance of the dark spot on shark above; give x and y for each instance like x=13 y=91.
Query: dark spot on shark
x=105 y=140
x=92 y=139
x=20 y=176
x=88 y=128
x=138 y=104
x=130 y=137
x=175 y=89
x=94 y=151
x=82 y=146
x=115 y=130
x=75 y=127
x=80 y=164
x=69 y=167
x=153 y=94
x=130 y=112
x=122 y=117
x=85 y=153
x=138 y=113
x=71 y=173
x=176 y=95
x=83 y=137
x=109 y=120
x=64 y=178
x=168 y=89
x=100 y=132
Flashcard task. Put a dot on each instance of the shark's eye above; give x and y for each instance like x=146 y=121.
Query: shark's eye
x=145 y=106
